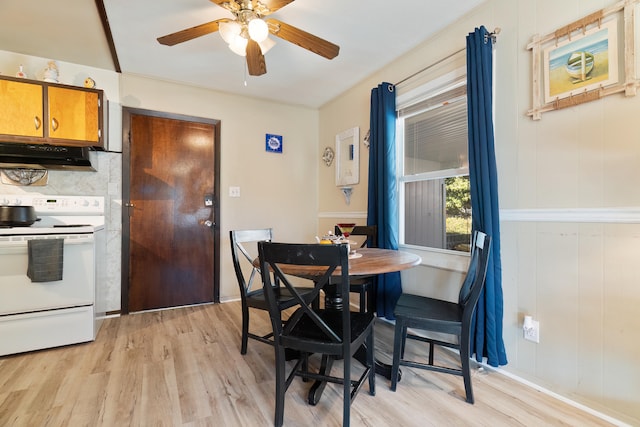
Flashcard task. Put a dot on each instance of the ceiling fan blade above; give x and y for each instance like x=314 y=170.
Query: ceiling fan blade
x=191 y=33
x=303 y=39
x=255 y=59
x=262 y=7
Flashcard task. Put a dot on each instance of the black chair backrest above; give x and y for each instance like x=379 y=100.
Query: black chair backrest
x=476 y=274
x=324 y=259
x=371 y=231
x=240 y=251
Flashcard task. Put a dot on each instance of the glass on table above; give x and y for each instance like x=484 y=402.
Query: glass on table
x=346 y=228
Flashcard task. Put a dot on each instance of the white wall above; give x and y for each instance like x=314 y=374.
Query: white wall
x=569 y=244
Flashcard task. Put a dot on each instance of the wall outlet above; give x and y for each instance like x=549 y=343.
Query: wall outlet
x=531 y=330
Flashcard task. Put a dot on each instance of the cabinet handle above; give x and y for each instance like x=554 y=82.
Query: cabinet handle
x=37 y=122
x=54 y=124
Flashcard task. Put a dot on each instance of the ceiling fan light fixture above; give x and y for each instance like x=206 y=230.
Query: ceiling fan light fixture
x=248 y=34
x=229 y=30
x=266 y=45
x=258 y=30
x=239 y=45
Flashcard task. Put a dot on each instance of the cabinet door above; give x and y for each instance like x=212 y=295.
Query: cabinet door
x=21 y=108
x=73 y=114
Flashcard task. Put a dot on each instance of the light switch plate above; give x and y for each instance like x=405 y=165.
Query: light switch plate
x=234 y=191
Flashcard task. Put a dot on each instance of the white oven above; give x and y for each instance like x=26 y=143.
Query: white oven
x=36 y=315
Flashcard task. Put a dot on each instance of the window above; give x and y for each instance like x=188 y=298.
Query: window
x=435 y=199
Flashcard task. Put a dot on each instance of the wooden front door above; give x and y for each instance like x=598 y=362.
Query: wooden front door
x=170 y=208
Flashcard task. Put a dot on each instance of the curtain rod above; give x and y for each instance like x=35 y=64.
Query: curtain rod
x=493 y=40
x=429 y=66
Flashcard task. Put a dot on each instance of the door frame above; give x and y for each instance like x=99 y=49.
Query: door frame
x=127 y=112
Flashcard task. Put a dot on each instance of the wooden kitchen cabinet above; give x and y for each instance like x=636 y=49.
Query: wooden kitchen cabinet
x=37 y=112
x=21 y=108
x=73 y=114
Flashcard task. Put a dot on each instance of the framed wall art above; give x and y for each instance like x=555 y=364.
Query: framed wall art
x=585 y=60
x=273 y=143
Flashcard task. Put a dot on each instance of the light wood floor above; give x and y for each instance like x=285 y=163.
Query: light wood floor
x=183 y=367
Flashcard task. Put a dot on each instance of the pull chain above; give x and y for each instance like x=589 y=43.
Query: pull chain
x=244 y=69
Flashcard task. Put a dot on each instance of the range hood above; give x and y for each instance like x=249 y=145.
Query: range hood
x=38 y=156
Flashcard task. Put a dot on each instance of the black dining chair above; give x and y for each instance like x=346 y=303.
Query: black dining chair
x=434 y=315
x=243 y=252
x=365 y=286
x=332 y=332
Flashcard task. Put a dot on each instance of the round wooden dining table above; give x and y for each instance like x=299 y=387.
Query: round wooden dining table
x=365 y=262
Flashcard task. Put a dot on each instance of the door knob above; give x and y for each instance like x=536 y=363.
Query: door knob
x=209 y=223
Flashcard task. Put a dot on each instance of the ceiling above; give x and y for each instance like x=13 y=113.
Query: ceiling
x=371 y=34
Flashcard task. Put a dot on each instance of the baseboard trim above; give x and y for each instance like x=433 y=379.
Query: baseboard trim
x=555 y=395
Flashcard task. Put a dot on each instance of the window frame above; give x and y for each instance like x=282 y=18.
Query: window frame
x=432 y=88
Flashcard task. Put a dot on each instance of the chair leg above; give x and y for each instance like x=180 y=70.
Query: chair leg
x=245 y=329
x=371 y=300
x=363 y=300
x=346 y=391
x=404 y=341
x=371 y=363
x=432 y=349
x=466 y=370
x=399 y=338
x=281 y=387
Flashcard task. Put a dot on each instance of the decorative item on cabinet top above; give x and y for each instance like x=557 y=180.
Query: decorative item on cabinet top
x=51 y=73
x=21 y=74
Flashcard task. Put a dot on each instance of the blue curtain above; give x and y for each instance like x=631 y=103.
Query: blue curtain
x=382 y=208
x=486 y=335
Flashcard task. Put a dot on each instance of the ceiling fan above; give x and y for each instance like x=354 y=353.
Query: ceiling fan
x=248 y=34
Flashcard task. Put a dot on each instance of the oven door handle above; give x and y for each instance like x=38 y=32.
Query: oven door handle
x=7 y=248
